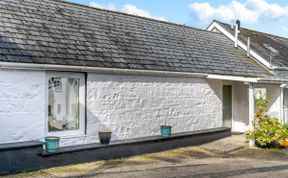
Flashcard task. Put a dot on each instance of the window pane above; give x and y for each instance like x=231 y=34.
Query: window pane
x=63 y=107
x=258 y=92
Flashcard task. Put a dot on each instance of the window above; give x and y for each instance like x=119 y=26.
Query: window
x=65 y=104
x=260 y=92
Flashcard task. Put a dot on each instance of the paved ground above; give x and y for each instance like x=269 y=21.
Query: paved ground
x=224 y=158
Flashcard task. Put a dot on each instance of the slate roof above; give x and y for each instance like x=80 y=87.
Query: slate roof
x=258 y=39
x=57 y=32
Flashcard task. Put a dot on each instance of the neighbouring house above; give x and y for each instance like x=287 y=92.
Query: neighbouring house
x=70 y=70
x=270 y=51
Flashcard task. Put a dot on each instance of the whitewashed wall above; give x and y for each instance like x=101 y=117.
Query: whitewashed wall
x=241 y=107
x=273 y=94
x=136 y=106
x=22 y=105
x=130 y=106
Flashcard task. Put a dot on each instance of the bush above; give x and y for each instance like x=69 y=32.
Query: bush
x=268 y=132
x=286 y=127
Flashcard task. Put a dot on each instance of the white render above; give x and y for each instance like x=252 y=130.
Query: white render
x=131 y=106
x=22 y=105
x=240 y=104
x=136 y=106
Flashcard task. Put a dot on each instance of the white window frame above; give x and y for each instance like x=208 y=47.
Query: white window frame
x=68 y=133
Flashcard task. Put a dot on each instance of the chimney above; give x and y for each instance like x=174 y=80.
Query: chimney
x=237 y=30
x=248 y=46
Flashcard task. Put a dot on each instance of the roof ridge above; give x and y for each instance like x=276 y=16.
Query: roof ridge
x=132 y=15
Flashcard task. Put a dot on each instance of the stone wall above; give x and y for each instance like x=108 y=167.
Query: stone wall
x=130 y=106
x=135 y=106
x=22 y=105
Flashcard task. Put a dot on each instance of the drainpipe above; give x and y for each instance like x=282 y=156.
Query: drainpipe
x=248 y=46
x=237 y=29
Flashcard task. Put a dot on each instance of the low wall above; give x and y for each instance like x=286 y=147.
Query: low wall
x=29 y=156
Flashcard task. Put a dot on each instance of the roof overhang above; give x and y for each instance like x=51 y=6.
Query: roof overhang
x=101 y=70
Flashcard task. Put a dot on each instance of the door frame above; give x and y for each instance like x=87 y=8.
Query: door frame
x=232 y=103
x=282 y=110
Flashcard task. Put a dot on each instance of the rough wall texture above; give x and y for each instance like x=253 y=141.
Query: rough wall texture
x=22 y=105
x=130 y=106
x=135 y=106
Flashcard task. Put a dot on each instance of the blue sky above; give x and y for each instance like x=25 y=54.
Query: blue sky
x=269 y=16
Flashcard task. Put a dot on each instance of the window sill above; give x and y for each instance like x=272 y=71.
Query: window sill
x=66 y=135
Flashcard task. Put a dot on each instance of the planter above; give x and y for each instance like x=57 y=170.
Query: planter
x=165 y=130
x=52 y=144
x=104 y=136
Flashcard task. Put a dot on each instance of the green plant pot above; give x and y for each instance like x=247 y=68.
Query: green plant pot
x=52 y=144
x=165 y=130
x=104 y=136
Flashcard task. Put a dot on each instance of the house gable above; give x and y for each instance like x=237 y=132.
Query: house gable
x=261 y=45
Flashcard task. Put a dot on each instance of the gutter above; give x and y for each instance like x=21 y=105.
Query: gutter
x=274 y=80
x=102 y=70
x=280 y=68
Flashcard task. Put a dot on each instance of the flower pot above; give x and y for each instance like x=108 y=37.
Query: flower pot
x=165 y=130
x=52 y=144
x=104 y=136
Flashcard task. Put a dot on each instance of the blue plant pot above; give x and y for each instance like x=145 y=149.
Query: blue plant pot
x=51 y=144
x=165 y=130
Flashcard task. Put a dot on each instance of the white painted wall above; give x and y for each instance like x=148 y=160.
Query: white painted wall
x=136 y=106
x=273 y=94
x=130 y=106
x=240 y=107
x=22 y=105
x=240 y=103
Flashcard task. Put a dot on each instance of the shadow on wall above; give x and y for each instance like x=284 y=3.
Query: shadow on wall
x=214 y=85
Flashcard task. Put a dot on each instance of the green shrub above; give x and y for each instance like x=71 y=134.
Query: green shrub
x=286 y=127
x=268 y=132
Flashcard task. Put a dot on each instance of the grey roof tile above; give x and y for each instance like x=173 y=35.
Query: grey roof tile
x=57 y=32
x=258 y=39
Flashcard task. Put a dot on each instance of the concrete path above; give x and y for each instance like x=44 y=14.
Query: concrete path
x=226 y=145
x=202 y=161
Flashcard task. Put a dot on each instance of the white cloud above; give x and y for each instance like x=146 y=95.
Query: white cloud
x=248 y=12
x=132 y=9
x=127 y=8
x=109 y=6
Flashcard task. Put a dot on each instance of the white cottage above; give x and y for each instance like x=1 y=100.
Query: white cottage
x=70 y=70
